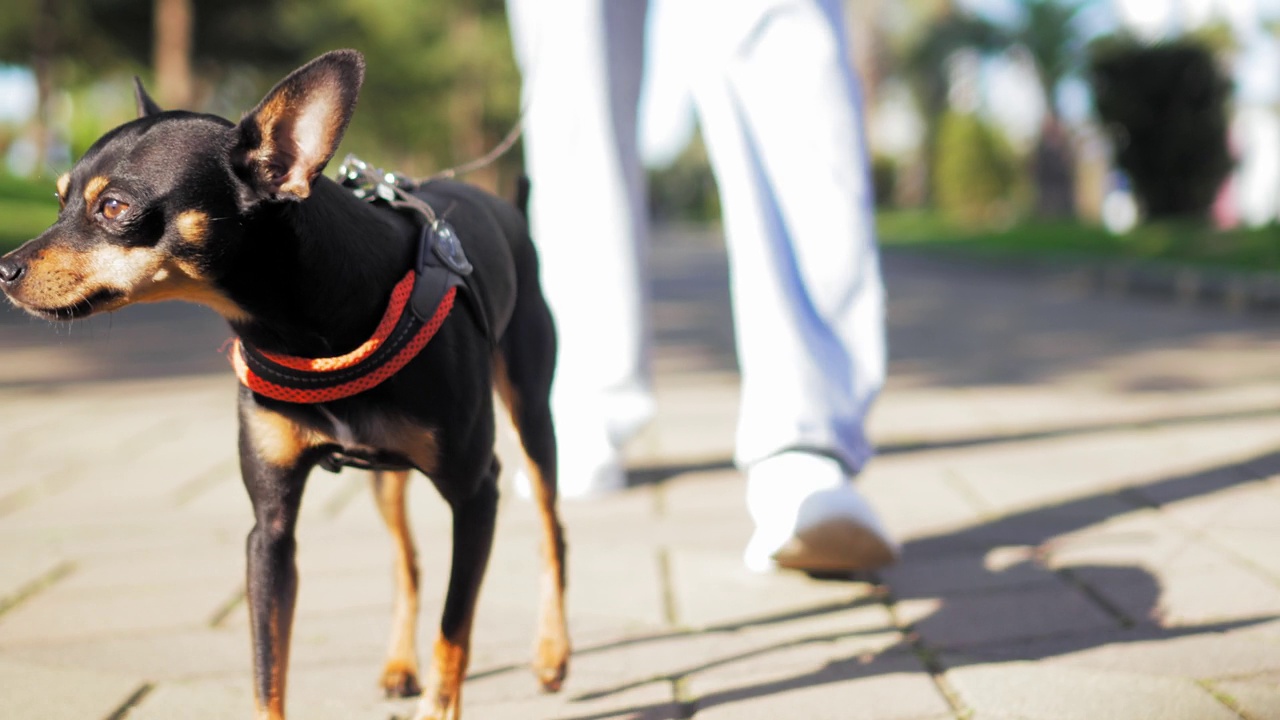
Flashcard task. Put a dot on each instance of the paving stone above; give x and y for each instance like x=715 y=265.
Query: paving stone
x=966 y=572
x=1253 y=505
x=1144 y=539
x=702 y=510
x=1265 y=630
x=1039 y=475
x=55 y=693
x=928 y=414
x=216 y=563
x=807 y=682
x=22 y=571
x=1031 y=692
x=328 y=694
x=156 y=656
x=204 y=700
x=916 y=498
x=1186 y=597
x=1254 y=697
x=648 y=702
x=712 y=589
x=695 y=421
x=1206 y=482
x=58 y=615
x=1199 y=654
x=89 y=535
x=1260 y=548
x=1000 y=617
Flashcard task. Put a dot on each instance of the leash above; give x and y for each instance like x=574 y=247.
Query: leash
x=488 y=158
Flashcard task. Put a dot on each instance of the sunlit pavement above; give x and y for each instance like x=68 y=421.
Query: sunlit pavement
x=1087 y=490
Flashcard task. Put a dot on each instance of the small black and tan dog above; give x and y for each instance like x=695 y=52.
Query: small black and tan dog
x=324 y=290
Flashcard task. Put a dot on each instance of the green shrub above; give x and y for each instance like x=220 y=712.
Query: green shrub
x=975 y=179
x=1165 y=109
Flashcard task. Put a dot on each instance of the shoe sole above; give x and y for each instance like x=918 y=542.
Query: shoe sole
x=837 y=545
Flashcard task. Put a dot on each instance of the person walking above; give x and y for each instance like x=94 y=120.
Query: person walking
x=780 y=111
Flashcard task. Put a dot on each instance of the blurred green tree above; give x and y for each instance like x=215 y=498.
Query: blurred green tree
x=927 y=68
x=1165 y=107
x=441 y=86
x=976 y=174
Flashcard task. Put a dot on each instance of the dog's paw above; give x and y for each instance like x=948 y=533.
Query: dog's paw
x=551 y=664
x=400 y=681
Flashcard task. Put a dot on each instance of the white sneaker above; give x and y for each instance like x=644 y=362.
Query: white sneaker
x=810 y=517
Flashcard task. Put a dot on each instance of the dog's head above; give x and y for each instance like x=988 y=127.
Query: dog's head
x=154 y=208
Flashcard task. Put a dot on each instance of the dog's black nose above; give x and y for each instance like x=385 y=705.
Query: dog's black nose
x=10 y=270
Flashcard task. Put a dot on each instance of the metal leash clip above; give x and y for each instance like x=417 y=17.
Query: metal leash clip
x=373 y=184
x=369 y=183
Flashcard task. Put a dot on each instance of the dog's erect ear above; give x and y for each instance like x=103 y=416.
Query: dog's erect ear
x=146 y=106
x=286 y=141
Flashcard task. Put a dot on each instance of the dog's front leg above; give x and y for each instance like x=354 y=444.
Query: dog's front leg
x=473 y=523
x=274 y=465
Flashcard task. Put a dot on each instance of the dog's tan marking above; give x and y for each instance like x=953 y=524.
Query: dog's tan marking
x=449 y=665
x=276 y=439
x=271 y=707
x=120 y=267
x=502 y=384
x=149 y=275
x=266 y=712
x=93 y=189
x=400 y=675
x=193 y=226
x=177 y=281
x=419 y=445
x=267 y=118
x=55 y=279
x=63 y=185
x=61 y=277
x=551 y=651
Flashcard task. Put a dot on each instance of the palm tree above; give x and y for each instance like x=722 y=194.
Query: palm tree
x=927 y=67
x=1049 y=35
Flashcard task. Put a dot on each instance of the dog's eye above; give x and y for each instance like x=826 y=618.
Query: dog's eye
x=113 y=208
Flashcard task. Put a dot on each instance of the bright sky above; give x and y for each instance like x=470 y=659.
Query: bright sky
x=17 y=94
x=1102 y=16
x=1254 y=70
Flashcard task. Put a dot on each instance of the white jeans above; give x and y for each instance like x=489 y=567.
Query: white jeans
x=780 y=113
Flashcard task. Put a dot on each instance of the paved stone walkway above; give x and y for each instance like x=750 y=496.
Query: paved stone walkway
x=1088 y=491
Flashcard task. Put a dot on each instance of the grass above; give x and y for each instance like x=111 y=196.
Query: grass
x=1172 y=242
x=26 y=209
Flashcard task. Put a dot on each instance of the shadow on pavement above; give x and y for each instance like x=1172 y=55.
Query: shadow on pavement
x=964 y=627
x=956 y=323
x=902 y=448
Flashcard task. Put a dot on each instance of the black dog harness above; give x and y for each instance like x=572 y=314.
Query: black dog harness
x=420 y=302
